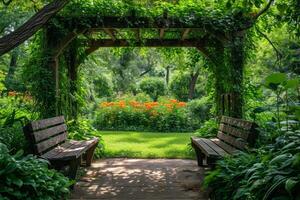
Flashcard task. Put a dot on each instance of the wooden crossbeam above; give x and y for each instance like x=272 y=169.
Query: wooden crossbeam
x=93 y=45
x=138 y=34
x=111 y=33
x=145 y=43
x=161 y=33
x=185 y=33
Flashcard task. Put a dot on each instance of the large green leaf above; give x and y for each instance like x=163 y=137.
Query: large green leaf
x=292 y=84
x=290 y=184
x=276 y=78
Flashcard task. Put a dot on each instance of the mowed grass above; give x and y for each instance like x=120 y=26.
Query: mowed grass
x=129 y=144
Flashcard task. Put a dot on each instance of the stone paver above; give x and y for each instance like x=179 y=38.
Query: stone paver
x=153 y=179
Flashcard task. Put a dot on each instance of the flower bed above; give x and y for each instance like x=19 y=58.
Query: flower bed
x=170 y=115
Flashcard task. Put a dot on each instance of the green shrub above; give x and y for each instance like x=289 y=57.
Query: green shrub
x=29 y=178
x=83 y=130
x=153 y=86
x=179 y=86
x=209 y=129
x=144 y=116
x=271 y=172
x=200 y=109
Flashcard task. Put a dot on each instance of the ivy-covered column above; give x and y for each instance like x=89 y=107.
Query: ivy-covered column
x=236 y=59
x=72 y=62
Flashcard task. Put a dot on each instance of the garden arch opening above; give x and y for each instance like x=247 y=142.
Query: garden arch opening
x=72 y=35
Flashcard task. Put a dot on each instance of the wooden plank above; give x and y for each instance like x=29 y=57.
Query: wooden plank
x=97 y=43
x=44 y=123
x=215 y=147
x=206 y=149
x=229 y=149
x=236 y=142
x=137 y=34
x=71 y=149
x=47 y=133
x=185 y=33
x=111 y=33
x=247 y=125
x=161 y=33
x=234 y=131
x=57 y=150
x=47 y=144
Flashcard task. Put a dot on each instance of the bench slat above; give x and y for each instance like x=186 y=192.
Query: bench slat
x=44 y=123
x=47 y=144
x=224 y=146
x=47 y=133
x=204 y=147
x=69 y=150
x=236 y=142
x=247 y=125
x=215 y=147
x=57 y=150
x=234 y=131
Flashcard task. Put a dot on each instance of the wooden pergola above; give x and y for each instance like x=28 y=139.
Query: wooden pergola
x=93 y=32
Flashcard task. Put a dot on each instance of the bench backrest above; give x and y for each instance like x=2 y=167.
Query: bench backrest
x=46 y=134
x=236 y=133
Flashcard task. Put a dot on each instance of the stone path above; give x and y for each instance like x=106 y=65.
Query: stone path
x=128 y=179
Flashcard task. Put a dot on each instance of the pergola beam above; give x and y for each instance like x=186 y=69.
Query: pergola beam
x=185 y=33
x=138 y=34
x=161 y=33
x=111 y=33
x=145 y=43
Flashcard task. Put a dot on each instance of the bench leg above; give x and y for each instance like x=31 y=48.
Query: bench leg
x=74 y=164
x=89 y=155
x=200 y=157
x=211 y=162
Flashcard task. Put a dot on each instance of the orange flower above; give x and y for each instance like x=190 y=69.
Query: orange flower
x=173 y=101
x=181 y=104
x=12 y=93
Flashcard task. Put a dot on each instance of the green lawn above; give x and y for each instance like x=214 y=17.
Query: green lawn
x=129 y=144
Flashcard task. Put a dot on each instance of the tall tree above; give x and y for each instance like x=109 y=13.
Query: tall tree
x=17 y=37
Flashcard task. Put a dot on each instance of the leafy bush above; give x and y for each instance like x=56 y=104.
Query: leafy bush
x=179 y=86
x=209 y=129
x=272 y=172
x=147 y=116
x=152 y=86
x=200 y=109
x=103 y=86
x=83 y=130
x=14 y=114
x=29 y=178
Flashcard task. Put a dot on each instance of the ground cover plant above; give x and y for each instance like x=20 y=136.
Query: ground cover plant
x=26 y=177
x=133 y=144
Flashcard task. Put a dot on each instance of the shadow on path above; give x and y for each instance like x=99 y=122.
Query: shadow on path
x=155 y=179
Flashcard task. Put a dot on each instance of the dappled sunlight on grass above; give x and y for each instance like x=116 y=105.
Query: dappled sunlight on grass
x=130 y=144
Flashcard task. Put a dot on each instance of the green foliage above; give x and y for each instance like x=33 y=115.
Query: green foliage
x=15 y=112
x=152 y=86
x=209 y=129
x=268 y=173
x=179 y=86
x=148 y=116
x=81 y=129
x=200 y=109
x=29 y=178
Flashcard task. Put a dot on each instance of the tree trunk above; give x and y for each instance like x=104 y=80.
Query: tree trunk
x=14 y=39
x=11 y=70
x=192 y=85
x=167 y=75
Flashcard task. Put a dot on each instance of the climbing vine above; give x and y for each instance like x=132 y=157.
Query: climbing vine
x=61 y=48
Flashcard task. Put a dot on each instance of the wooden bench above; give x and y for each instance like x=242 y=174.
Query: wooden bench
x=48 y=140
x=233 y=135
